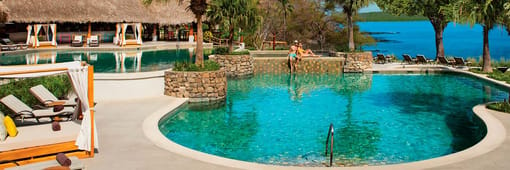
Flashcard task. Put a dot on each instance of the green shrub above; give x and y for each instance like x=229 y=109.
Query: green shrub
x=500 y=106
x=220 y=50
x=59 y=85
x=187 y=66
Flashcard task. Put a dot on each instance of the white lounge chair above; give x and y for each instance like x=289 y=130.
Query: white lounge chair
x=47 y=98
x=77 y=41
x=94 y=41
x=23 y=111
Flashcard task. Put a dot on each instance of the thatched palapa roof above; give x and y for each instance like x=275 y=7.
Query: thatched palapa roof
x=4 y=12
x=83 y=11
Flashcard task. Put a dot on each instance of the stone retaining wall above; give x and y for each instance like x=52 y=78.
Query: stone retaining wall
x=235 y=65
x=356 y=62
x=197 y=86
x=307 y=65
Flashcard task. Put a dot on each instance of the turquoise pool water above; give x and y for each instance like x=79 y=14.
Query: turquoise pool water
x=378 y=119
x=107 y=61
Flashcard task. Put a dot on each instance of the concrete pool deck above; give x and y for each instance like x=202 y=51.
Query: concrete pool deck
x=124 y=144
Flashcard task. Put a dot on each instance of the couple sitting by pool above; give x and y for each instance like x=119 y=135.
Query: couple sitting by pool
x=296 y=53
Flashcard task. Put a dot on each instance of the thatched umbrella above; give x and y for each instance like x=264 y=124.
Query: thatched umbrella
x=85 y=11
x=4 y=12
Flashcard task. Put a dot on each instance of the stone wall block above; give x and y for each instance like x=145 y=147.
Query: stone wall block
x=198 y=86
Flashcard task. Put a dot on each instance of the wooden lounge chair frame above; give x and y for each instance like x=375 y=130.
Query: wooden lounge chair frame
x=47 y=152
x=408 y=59
x=460 y=61
x=443 y=60
x=422 y=59
x=380 y=59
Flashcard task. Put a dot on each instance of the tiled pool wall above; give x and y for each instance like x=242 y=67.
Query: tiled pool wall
x=340 y=63
x=234 y=65
x=307 y=65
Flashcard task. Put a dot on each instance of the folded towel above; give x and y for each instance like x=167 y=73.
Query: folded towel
x=55 y=126
x=63 y=160
x=58 y=108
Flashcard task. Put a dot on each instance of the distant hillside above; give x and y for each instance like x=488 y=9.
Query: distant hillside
x=381 y=16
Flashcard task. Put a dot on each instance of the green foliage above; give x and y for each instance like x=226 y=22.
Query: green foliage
x=500 y=106
x=495 y=74
x=350 y=9
x=187 y=66
x=487 y=13
x=234 y=15
x=220 y=50
x=383 y=16
x=60 y=86
x=224 y=51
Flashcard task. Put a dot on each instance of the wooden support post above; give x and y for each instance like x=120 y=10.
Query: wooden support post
x=90 y=30
x=274 y=41
x=91 y=106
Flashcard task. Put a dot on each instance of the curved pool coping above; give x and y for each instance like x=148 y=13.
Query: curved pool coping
x=496 y=134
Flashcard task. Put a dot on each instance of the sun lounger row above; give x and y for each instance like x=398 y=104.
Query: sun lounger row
x=8 y=45
x=456 y=61
x=420 y=59
x=66 y=108
x=78 y=41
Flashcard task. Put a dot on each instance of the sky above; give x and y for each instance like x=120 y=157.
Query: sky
x=371 y=8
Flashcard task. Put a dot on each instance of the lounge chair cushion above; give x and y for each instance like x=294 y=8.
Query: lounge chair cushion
x=38 y=135
x=45 y=96
x=77 y=38
x=3 y=131
x=10 y=126
x=15 y=104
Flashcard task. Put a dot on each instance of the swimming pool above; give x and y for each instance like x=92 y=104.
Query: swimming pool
x=379 y=119
x=108 y=61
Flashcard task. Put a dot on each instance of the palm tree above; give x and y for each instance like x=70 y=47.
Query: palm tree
x=487 y=13
x=287 y=7
x=198 y=7
x=350 y=9
x=233 y=15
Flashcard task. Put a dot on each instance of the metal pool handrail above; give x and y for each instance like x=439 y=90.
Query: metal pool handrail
x=331 y=132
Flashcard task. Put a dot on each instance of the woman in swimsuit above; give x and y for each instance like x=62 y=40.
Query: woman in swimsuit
x=292 y=57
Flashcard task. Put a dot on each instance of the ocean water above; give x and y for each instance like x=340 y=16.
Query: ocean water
x=378 y=119
x=417 y=37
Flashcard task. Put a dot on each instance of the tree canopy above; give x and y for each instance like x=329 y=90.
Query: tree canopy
x=234 y=15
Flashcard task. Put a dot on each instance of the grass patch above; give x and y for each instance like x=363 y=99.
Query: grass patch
x=500 y=106
x=381 y=16
x=187 y=66
x=496 y=74
x=59 y=85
